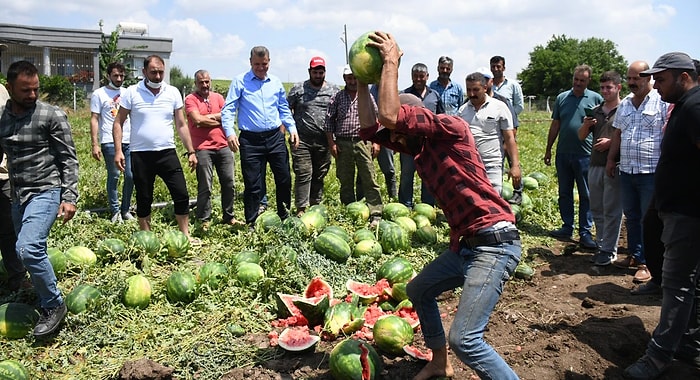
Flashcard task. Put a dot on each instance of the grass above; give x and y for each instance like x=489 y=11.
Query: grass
x=197 y=339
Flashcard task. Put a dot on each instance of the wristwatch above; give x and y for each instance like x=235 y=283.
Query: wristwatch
x=188 y=154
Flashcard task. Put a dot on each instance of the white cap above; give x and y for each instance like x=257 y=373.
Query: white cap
x=347 y=70
x=485 y=72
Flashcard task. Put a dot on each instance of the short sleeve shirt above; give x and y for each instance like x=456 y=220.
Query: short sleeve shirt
x=105 y=101
x=152 y=116
x=569 y=109
x=487 y=126
x=208 y=138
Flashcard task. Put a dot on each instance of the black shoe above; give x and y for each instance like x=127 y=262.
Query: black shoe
x=605 y=258
x=647 y=288
x=689 y=358
x=560 y=234
x=517 y=197
x=50 y=320
x=586 y=241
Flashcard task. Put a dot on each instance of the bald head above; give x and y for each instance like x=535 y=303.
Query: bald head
x=639 y=86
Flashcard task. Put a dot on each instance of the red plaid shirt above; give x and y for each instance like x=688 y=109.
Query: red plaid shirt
x=451 y=168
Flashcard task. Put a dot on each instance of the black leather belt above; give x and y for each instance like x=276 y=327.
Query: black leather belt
x=263 y=134
x=491 y=238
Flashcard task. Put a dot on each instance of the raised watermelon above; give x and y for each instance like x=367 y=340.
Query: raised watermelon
x=393 y=210
x=524 y=271
x=13 y=370
x=354 y=360
x=369 y=247
x=357 y=212
x=391 y=333
x=181 y=287
x=137 y=293
x=297 y=339
x=82 y=256
x=144 y=243
x=426 y=210
x=58 y=260
x=212 y=274
x=176 y=243
x=111 y=249
x=396 y=269
x=267 y=221
x=365 y=61
x=17 y=319
x=249 y=273
x=332 y=246
x=81 y=298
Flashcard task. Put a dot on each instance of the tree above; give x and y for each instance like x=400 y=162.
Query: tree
x=110 y=52
x=551 y=67
x=184 y=83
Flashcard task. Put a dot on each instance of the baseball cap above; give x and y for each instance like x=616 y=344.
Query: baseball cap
x=347 y=70
x=485 y=72
x=673 y=60
x=317 y=62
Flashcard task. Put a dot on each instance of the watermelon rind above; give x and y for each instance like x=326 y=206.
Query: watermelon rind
x=351 y=358
x=13 y=370
x=294 y=344
x=313 y=309
x=415 y=353
x=318 y=287
x=17 y=319
x=361 y=290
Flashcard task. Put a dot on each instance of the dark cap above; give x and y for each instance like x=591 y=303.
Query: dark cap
x=673 y=60
x=317 y=62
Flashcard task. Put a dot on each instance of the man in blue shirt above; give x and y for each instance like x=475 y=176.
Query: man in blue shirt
x=432 y=101
x=573 y=155
x=258 y=102
x=452 y=94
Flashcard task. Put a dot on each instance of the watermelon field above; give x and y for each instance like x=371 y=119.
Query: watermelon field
x=273 y=302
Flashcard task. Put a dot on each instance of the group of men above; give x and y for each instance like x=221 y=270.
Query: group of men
x=634 y=157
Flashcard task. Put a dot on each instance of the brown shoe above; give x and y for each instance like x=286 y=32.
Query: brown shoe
x=628 y=262
x=642 y=274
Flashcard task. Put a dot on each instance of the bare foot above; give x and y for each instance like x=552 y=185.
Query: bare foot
x=433 y=369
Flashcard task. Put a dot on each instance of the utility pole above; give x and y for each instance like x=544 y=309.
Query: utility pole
x=344 y=38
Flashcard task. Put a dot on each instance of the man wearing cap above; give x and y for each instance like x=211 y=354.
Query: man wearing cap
x=484 y=247
x=677 y=335
x=258 y=102
x=638 y=124
x=308 y=101
x=573 y=156
x=432 y=101
x=491 y=123
x=342 y=126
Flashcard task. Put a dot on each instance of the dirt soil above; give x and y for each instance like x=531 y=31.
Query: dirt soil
x=573 y=320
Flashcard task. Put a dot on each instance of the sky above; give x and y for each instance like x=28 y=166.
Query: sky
x=217 y=35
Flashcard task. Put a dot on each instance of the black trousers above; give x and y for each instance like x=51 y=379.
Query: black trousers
x=8 y=239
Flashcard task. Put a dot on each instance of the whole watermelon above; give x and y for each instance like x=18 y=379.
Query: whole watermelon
x=293 y=226
x=144 y=243
x=369 y=247
x=58 y=260
x=181 y=287
x=530 y=183
x=358 y=212
x=314 y=221
x=391 y=333
x=81 y=298
x=246 y=256
x=80 y=255
x=393 y=210
x=212 y=274
x=340 y=231
x=365 y=61
x=393 y=238
x=426 y=210
x=137 y=292
x=354 y=360
x=13 y=370
x=332 y=246
x=249 y=273
x=363 y=234
x=397 y=269
x=17 y=320
x=541 y=178
x=176 y=243
x=267 y=221
x=426 y=235
x=408 y=224
x=111 y=249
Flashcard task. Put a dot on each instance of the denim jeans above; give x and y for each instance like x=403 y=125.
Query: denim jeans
x=495 y=174
x=222 y=161
x=408 y=170
x=113 y=179
x=573 y=169
x=637 y=191
x=679 y=280
x=606 y=207
x=32 y=221
x=482 y=272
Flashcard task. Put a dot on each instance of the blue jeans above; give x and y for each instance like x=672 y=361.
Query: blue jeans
x=481 y=272
x=408 y=170
x=113 y=179
x=573 y=169
x=679 y=280
x=637 y=191
x=222 y=160
x=32 y=221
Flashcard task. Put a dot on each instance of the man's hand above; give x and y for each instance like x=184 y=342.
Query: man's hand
x=96 y=152
x=66 y=211
x=120 y=161
x=602 y=144
x=548 y=157
x=233 y=143
x=515 y=174
x=333 y=148
x=611 y=168
x=375 y=150
x=386 y=45
x=192 y=161
x=294 y=140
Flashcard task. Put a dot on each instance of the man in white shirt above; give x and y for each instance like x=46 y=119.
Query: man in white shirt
x=491 y=123
x=104 y=105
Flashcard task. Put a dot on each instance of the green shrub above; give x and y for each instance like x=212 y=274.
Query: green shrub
x=58 y=90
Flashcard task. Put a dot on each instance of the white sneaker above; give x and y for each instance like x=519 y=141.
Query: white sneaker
x=127 y=216
x=117 y=218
